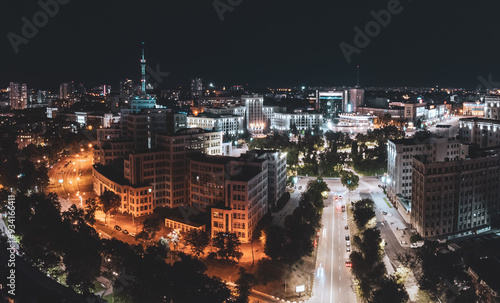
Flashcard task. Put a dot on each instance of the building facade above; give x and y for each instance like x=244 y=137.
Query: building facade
x=483 y=132
x=492 y=107
x=18 y=95
x=302 y=121
x=456 y=198
x=227 y=124
x=256 y=119
x=400 y=155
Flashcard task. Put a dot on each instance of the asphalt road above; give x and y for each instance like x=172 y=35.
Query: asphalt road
x=73 y=185
x=333 y=280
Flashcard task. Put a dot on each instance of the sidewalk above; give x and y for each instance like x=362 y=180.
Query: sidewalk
x=391 y=217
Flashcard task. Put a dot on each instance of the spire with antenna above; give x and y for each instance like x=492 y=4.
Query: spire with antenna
x=357 y=77
x=143 y=68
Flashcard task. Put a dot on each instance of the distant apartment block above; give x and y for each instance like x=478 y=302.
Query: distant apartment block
x=18 y=95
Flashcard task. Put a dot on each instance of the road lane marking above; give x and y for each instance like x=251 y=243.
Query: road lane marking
x=331 y=274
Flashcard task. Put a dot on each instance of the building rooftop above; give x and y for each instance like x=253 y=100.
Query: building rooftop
x=477 y=119
x=211 y=115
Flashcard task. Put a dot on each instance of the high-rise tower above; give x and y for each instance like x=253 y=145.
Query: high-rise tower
x=143 y=69
x=142 y=100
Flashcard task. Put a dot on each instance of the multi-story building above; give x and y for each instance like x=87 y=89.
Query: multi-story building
x=196 y=87
x=239 y=190
x=18 y=95
x=220 y=102
x=399 y=161
x=302 y=121
x=456 y=198
x=256 y=119
x=136 y=200
x=227 y=124
x=245 y=201
x=356 y=99
x=141 y=127
x=164 y=167
x=492 y=107
x=483 y=132
x=234 y=111
x=126 y=89
x=276 y=173
x=330 y=103
x=475 y=109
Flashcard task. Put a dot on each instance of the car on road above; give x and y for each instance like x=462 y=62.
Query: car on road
x=346 y=227
x=118 y=228
x=125 y=231
x=347 y=237
x=384 y=212
x=300 y=187
x=348 y=243
x=348 y=249
x=348 y=264
x=132 y=234
x=343 y=218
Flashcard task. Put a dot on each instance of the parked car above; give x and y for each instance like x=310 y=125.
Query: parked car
x=300 y=187
x=125 y=231
x=348 y=243
x=348 y=249
x=384 y=212
x=132 y=234
x=118 y=228
x=347 y=237
x=346 y=227
x=348 y=264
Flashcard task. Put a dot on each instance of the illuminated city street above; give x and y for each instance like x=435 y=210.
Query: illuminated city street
x=71 y=179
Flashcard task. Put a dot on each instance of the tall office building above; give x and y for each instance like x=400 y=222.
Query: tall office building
x=356 y=99
x=256 y=119
x=64 y=91
x=126 y=89
x=196 y=88
x=18 y=95
x=330 y=104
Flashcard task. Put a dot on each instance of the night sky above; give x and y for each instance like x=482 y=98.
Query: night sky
x=260 y=43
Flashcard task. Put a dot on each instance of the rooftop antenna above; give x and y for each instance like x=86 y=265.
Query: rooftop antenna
x=357 y=77
x=143 y=68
